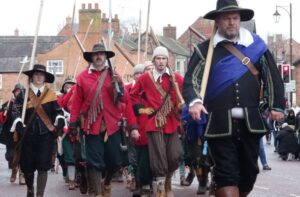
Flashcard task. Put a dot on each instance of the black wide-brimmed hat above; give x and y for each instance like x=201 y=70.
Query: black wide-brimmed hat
x=97 y=48
x=230 y=6
x=49 y=78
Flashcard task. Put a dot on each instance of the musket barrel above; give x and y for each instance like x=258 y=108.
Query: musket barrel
x=24 y=61
x=192 y=29
x=117 y=90
x=122 y=52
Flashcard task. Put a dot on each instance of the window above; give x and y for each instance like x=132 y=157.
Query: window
x=55 y=67
x=180 y=66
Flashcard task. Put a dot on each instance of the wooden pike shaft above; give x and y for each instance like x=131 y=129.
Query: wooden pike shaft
x=139 y=38
x=154 y=37
x=70 y=43
x=81 y=46
x=79 y=43
x=32 y=59
x=147 y=26
x=24 y=61
x=208 y=63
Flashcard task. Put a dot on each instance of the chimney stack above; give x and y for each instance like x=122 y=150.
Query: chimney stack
x=169 y=32
x=16 y=32
x=68 y=20
x=85 y=16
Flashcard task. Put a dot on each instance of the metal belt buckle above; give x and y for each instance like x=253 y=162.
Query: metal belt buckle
x=246 y=60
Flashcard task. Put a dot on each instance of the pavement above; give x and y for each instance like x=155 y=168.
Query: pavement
x=282 y=181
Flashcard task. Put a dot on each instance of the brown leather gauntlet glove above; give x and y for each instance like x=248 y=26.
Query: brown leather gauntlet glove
x=148 y=110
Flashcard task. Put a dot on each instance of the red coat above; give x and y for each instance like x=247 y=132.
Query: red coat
x=141 y=120
x=128 y=87
x=153 y=99
x=83 y=95
x=2 y=117
x=65 y=101
x=127 y=111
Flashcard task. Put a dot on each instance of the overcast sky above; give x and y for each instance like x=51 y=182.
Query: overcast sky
x=23 y=14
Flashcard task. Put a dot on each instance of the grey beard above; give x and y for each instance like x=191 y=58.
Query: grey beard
x=231 y=36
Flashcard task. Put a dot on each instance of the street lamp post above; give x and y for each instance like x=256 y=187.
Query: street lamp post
x=276 y=16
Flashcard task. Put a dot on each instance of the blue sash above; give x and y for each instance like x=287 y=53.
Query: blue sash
x=229 y=69
x=194 y=129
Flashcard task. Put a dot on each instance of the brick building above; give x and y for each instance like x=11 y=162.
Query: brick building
x=280 y=48
x=203 y=28
x=60 y=54
x=297 y=81
x=63 y=57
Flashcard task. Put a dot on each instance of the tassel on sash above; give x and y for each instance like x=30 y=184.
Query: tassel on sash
x=94 y=111
x=161 y=115
x=96 y=105
x=165 y=109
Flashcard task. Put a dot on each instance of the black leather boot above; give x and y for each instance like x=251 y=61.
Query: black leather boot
x=29 y=178
x=91 y=189
x=201 y=185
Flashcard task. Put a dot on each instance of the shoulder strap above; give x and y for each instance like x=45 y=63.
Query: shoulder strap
x=245 y=60
x=96 y=105
x=100 y=84
x=162 y=92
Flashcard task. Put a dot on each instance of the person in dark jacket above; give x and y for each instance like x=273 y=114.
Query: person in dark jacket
x=11 y=110
x=287 y=142
x=234 y=125
x=69 y=143
x=197 y=149
x=42 y=119
x=291 y=119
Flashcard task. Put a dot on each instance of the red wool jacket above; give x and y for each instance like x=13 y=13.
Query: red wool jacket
x=153 y=99
x=140 y=120
x=65 y=101
x=127 y=112
x=111 y=113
